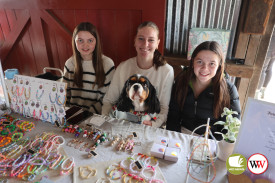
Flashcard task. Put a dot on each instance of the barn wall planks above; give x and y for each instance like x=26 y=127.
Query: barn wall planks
x=37 y=34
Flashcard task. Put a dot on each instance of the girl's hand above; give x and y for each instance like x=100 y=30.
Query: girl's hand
x=147 y=122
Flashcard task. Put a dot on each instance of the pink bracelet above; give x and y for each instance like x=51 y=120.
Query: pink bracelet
x=19 y=170
x=22 y=158
x=68 y=168
x=35 y=141
x=33 y=161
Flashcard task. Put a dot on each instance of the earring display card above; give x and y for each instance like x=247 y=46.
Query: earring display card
x=38 y=98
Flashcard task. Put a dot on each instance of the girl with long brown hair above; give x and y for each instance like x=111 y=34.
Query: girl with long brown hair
x=201 y=91
x=88 y=72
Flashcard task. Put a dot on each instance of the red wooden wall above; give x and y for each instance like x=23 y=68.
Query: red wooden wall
x=37 y=33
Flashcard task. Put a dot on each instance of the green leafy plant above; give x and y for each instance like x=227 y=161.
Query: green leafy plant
x=231 y=124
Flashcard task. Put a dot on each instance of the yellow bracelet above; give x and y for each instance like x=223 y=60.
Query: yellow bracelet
x=87 y=168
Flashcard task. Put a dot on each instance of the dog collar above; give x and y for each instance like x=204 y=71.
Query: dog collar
x=142 y=116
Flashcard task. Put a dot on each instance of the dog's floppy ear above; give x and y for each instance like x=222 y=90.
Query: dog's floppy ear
x=124 y=103
x=152 y=102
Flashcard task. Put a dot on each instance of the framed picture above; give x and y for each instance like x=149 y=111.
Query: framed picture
x=199 y=35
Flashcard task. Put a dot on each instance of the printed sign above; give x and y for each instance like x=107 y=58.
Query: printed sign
x=256 y=139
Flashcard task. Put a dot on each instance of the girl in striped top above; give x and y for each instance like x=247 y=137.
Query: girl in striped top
x=88 y=72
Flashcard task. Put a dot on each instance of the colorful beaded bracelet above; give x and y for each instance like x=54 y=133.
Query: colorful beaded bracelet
x=27 y=126
x=17 y=136
x=5 y=141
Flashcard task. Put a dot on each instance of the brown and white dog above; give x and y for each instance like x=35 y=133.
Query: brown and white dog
x=138 y=95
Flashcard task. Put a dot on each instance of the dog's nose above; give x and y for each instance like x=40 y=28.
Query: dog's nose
x=136 y=88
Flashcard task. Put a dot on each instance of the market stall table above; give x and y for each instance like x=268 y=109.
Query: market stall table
x=174 y=172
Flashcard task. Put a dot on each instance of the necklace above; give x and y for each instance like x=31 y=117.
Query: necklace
x=38 y=97
x=58 y=102
x=17 y=90
x=51 y=117
x=25 y=93
x=12 y=90
x=55 y=98
x=43 y=117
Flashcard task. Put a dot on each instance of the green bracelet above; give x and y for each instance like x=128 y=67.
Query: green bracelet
x=17 y=136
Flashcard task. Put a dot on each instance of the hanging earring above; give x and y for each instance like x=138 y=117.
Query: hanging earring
x=61 y=90
x=14 y=80
x=27 y=82
x=53 y=108
x=32 y=103
x=13 y=90
x=41 y=91
x=37 y=105
x=54 y=89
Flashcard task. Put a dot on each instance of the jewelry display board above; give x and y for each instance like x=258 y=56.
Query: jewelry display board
x=38 y=98
x=257 y=135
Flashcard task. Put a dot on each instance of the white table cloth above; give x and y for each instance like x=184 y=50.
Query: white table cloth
x=173 y=172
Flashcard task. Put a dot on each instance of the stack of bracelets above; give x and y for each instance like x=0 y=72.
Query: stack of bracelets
x=13 y=129
x=139 y=167
x=26 y=158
